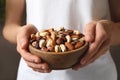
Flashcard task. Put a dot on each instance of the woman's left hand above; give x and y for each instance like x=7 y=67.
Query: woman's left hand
x=100 y=36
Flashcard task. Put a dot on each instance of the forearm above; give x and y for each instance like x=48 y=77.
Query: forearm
x=115 y=16
x=14 y=17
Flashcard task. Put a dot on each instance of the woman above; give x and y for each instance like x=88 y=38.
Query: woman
x=92 y=16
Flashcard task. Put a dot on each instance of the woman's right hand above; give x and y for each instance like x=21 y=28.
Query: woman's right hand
x=32 y=61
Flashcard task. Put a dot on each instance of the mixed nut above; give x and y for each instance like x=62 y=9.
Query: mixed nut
x=59 y=40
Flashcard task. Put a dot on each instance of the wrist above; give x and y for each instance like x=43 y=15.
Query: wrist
x=25 y=32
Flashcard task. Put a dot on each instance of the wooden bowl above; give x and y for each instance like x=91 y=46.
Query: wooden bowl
x=60 y=60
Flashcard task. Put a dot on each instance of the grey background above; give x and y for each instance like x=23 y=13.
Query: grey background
x=9 y=58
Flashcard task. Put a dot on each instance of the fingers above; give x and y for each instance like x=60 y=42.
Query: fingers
x=42 y=67
x=32 y=61
x=97 y=47
x=100 y=37
x=90 y=31
x=28 y=56
x=77 y=66
x=105 y=46
x=22 y=49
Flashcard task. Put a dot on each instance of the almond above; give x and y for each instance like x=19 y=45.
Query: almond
x=69 y=32
x=37 y=34
x=78 y=45
x=69 y=46
x=75 y=36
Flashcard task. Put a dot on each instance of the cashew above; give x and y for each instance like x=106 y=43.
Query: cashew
x=68 y=38
x=76 y=32
x=43 y=33
x=60 y=29
x=42 y=43
x=53 y=35
x=82 y=39
x=50 y=42
x=37 y=34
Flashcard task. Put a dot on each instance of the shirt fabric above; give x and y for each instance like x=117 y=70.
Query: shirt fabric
x=72 y=14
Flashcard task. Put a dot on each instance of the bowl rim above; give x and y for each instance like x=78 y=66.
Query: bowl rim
x=54 y=53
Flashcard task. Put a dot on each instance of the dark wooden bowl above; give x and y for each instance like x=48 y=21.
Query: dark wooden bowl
x=60 y=60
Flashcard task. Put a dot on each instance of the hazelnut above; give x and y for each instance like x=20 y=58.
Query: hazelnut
x=59 y=41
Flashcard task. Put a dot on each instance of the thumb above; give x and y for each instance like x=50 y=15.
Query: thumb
x=23 y=43
x=90 y=32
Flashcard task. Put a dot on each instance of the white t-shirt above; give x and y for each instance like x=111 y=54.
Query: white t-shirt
x=73 y=14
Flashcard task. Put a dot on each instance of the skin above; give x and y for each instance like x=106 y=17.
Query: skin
x=100 y=34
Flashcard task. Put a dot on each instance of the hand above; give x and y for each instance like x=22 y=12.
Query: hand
x=99 y=34
x=22 y=44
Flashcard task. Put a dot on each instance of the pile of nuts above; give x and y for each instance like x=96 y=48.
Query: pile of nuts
x=59 y=40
